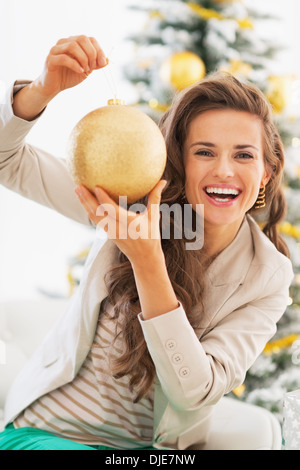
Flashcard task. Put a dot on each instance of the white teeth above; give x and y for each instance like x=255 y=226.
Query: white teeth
x=212 y=190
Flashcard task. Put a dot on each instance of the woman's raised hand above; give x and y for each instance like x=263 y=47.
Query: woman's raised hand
x=69 y=63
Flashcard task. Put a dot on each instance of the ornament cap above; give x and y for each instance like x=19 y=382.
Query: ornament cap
x=115 y=101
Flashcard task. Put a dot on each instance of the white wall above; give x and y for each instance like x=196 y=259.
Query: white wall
x=35 y=242
x=286 y=31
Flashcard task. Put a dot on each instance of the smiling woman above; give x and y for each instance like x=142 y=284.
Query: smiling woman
x=224 y=173
x=230 y=144
x=156 y=334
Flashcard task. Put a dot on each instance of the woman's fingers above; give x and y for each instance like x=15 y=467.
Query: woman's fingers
x=102 y=60
x=133 y=233
x=112 y=209
x=116 y=220
x=89 y=50
x=89 y=202
x=155 y=194
x=63 y=60
x=102 y=206
x=74 y=51
x=92 y=50
x=155 y=198
x=85 y=51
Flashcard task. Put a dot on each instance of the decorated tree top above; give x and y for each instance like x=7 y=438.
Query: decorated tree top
x=182 y=41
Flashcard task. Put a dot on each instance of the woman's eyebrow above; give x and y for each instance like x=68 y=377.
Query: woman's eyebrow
x=206 y=144
x=241 y=147
x=238 y=147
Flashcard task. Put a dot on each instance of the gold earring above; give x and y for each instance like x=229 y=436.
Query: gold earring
x=261 y=199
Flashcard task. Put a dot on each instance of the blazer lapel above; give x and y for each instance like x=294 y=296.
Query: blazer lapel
x=100 y=259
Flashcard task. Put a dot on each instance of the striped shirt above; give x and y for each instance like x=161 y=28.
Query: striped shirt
x=95 y=408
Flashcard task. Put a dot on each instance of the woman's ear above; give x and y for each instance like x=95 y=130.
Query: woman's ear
x=267 y=176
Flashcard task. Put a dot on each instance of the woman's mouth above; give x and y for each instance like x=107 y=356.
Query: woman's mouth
x=222 y=195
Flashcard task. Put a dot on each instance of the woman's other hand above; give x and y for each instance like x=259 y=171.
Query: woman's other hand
x=69 y=63
x=136 y=234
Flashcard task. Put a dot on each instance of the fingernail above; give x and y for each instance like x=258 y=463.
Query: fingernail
x=102 y=61
x=79 y=191
x=98 y=191
x=100 y=211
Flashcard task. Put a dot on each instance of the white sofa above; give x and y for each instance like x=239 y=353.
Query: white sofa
x=23 y=325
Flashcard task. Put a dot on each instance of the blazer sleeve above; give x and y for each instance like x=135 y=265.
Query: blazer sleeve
x=31 y=172
x=194 y=372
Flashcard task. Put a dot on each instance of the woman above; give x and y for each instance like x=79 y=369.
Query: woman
x=156 y=334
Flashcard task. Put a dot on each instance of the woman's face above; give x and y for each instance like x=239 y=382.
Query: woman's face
x=224 y=165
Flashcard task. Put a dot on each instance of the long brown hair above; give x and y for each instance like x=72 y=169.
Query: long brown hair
x=186 y=268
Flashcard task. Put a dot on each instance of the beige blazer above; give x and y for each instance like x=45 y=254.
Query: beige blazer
x=248 y=288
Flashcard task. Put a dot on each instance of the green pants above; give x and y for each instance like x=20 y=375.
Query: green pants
x=36 y=439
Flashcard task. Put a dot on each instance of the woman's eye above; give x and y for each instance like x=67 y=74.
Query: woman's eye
x=204 y=153
x=244 y=156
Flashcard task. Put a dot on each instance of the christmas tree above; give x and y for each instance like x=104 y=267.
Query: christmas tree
x=179 y=43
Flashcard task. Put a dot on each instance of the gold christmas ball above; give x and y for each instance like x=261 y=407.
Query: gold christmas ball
x=238 y=68
x=279 y=92
x=182 y=69
x=118 y=148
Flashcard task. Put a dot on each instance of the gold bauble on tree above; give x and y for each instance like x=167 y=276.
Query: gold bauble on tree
x=182 y=69
x=118 y=148
x=238 y=68
x=279 y=92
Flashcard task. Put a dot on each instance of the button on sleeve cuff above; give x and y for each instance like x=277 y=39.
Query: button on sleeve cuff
x=180 y=360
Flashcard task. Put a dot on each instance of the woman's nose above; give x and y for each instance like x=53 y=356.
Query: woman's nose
x=223 y=168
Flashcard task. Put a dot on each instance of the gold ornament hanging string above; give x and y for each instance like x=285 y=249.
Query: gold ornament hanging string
x=109 y=78
x=111 y=81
